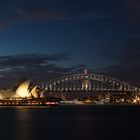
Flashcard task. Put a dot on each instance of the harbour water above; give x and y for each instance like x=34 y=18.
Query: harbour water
x=82 y=122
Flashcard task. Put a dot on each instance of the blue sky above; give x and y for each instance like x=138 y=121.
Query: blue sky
x=91 y=33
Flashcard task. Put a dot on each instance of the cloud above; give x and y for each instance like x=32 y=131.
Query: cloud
x=40 y=11
x=132 y=11
x=133 y=5
x=38 y=67
x=27 y=11
x=31 y=59
x=15 y=12
x=128 y=68
x=94 y=15
x=109 y=53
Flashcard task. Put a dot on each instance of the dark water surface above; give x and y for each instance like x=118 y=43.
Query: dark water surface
x=70 y=123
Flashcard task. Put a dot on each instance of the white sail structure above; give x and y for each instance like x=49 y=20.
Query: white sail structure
x=23 y=89
x=34 y=92
x=7 y=94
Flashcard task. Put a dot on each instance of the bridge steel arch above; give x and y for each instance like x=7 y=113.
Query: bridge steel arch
x=88 y=82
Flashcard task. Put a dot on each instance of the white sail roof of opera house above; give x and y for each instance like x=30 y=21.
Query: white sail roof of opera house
x=34 y=92
x=23 y=89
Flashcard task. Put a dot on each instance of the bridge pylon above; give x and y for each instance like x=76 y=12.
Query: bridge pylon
x=86 y=84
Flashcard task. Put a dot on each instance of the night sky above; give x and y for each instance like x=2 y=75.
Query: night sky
x=43 y=39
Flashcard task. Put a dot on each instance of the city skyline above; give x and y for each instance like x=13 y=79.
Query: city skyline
x=40 y=40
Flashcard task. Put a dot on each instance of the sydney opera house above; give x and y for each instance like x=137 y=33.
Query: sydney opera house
x=24 y=95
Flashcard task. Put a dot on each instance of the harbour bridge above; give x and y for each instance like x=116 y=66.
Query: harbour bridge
x=89 y=82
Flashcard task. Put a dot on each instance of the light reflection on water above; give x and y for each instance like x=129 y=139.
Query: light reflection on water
x=22 y=125
x=69 y=122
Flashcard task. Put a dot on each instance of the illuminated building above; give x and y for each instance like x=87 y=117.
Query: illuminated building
x=86 y=84
x=23 y=96
x=23 y=89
